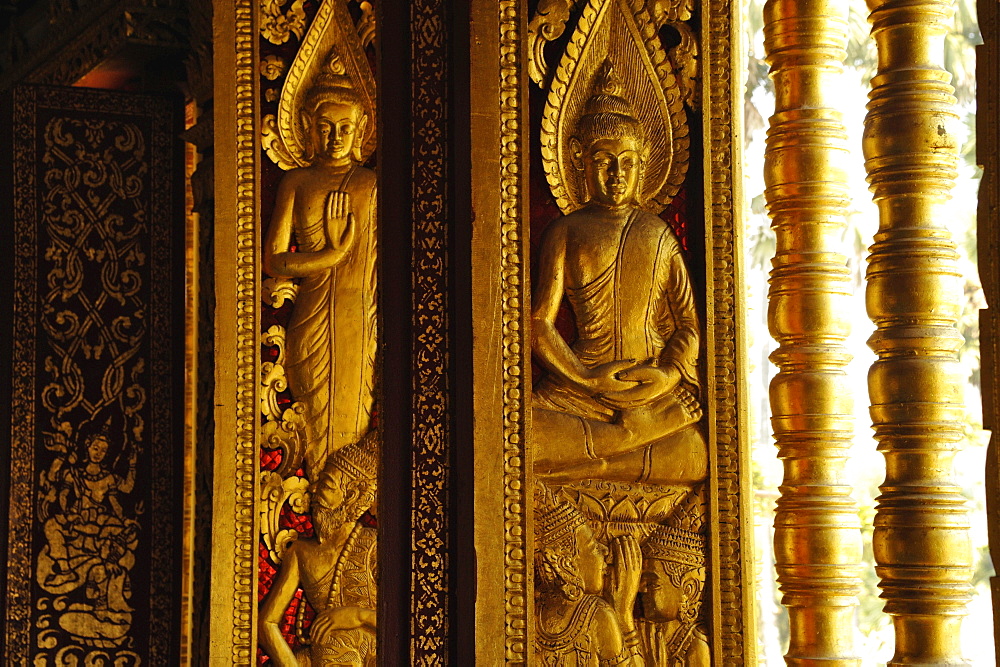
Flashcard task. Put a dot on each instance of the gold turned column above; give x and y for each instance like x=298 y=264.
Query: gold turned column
x=817 y=538
x=922 y=548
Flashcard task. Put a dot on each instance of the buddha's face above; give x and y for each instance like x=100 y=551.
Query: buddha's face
x=591 y=560
x=611 y=168
x=334 y=129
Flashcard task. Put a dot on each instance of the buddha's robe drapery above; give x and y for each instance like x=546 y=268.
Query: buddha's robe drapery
x=615 y=320
x=332 y=336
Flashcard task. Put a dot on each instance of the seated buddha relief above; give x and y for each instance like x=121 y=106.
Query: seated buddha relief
x=618 y=433
x=622 y=402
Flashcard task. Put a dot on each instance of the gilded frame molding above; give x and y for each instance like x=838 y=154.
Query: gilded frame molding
x=732 y=562
x=232 y=632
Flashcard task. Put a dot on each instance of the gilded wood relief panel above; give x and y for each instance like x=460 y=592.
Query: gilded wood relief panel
x=614 y=303
x=93 y=547
x=627 y=558
x=620 y=451
x=320 y=444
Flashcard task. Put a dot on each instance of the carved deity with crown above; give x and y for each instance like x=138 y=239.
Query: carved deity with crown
x=672 y=588
x=576 y=625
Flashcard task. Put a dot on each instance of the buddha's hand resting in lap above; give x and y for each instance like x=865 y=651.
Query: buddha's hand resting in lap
x=645 y=384
x=607 y=377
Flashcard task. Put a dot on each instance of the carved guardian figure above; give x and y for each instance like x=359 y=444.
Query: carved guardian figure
x=337 y=569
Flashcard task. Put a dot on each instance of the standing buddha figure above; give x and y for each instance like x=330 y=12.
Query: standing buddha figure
x=620 y=403
x=327 y=210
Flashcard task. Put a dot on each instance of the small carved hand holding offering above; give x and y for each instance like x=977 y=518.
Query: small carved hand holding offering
x=337 y=619
x=339 y=220
x=646 y=382
x=626 y=570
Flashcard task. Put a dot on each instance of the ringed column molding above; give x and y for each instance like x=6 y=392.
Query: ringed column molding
x=817 y=539
x=921 y=541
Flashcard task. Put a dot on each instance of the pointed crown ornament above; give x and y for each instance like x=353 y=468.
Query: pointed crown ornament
x=608 y=32
x=330 y=62
x=681 y=539
x=676 y=546
x=556 y=520
x=358 y=460
x=103 y=432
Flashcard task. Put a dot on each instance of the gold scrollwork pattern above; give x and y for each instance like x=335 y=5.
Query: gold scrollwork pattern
x=91 y=548
x=278 y=24
x=431 y=438
x=275 y=493
x=273 y=67
x=91 y=536
x=548 y=24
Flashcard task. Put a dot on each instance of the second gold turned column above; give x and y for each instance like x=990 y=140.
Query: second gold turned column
x=921 y=541
x=817 y=539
